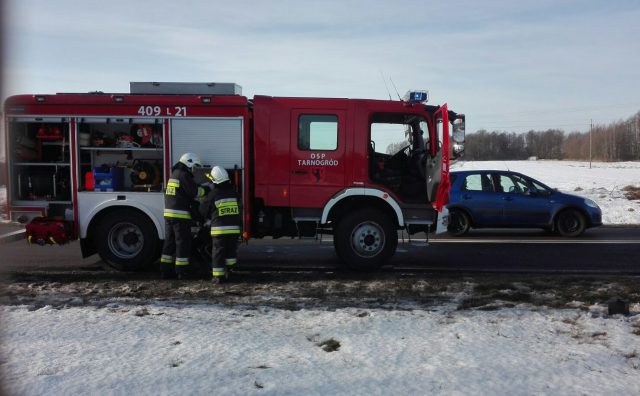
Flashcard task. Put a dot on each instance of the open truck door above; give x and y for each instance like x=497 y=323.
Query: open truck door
x=438 y=163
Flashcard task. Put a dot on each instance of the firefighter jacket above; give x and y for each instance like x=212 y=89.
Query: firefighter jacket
x=181 y=192
x=222 y=206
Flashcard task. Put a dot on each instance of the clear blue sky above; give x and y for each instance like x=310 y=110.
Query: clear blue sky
x=508 y=65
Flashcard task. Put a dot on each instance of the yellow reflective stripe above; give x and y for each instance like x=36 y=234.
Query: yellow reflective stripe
x=166 y=259
x=226 y=232
x=201 y=192
x=173 y=182
x=230 y=261
x=182 y=261
x=218 y=228
x=218 y=271
x=177 y=214
x=228 y=204
x=225 y=201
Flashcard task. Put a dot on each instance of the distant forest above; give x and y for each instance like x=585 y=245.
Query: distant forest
x=619 y=141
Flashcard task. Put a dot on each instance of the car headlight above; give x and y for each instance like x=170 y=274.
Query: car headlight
x=592 y=203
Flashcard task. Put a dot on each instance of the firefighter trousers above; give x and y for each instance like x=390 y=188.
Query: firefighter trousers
x=224 y=254
x=177 y=246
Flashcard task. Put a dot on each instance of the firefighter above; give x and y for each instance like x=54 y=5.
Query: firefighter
x=179 y=198
x=222 y=205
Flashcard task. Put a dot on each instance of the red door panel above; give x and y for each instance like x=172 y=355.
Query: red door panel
x=317 y=161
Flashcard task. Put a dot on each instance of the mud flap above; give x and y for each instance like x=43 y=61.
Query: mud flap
x=443 y=221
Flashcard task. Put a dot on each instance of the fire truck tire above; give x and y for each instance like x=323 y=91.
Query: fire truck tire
x=127 y=240
x=365 y=240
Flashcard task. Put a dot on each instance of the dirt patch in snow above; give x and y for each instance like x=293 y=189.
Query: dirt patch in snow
x=299 y=290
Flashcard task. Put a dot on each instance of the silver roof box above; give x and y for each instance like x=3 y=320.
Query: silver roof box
x=182 y=88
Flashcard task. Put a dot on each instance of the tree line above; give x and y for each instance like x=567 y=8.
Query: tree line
x=618 y=141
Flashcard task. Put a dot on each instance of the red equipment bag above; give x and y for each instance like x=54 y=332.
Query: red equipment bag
x=48 y=231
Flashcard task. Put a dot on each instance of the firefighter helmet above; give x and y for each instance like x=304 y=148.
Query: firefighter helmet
x=191 y=160
x=219 y=175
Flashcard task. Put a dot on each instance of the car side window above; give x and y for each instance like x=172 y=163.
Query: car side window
x=472 y=183
x=539 y=187
x=507 y=184
x=522 y=187
x=477 y=182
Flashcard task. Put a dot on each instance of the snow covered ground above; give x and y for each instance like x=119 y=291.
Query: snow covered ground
x=160 y=349
x=153 y=347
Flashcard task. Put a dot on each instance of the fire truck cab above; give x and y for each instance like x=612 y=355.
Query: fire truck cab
x=93 y=166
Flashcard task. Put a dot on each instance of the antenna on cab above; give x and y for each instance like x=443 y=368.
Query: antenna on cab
x=394 y=87
x=385 y=84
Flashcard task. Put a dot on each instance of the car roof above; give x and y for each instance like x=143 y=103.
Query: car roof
x=472 y=171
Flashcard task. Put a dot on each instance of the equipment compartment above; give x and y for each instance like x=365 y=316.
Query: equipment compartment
x=39 y=150
x=40 y=170
x=120 y=154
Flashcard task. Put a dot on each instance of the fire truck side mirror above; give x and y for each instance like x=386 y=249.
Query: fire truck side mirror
x=458 y=135
x=458 y=128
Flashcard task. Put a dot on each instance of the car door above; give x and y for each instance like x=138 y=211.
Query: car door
x=522 y=206
x=478 y=197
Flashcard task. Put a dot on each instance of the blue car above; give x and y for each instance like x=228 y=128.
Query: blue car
x=505 y=199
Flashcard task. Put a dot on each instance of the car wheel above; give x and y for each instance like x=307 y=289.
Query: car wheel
x=459 y=223
x=570 y=223
x=127 y=240
x=365 y=240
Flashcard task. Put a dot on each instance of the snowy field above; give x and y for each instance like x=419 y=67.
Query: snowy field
x=152 y=347
x=160 y=349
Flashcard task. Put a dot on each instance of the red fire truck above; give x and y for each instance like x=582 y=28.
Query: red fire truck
x=93 y=166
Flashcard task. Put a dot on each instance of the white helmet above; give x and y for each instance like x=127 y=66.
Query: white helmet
x=219 y=175
x=191 y=160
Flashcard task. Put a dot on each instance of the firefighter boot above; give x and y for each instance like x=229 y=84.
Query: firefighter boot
x=219 y=275
x=166 y=269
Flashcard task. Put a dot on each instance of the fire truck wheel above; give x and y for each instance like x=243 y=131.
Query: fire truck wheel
x=459 y=223
x=365 y=240
x=127 y=240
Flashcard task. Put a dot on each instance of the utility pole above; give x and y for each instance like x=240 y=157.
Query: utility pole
x=590 y=132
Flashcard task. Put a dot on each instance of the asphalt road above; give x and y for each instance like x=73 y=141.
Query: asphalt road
x=602 y=250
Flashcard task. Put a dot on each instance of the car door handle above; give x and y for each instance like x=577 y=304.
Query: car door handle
x=508 y=198
x=300 y=172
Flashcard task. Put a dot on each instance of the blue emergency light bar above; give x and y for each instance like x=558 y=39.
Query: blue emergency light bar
x=416 y=96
